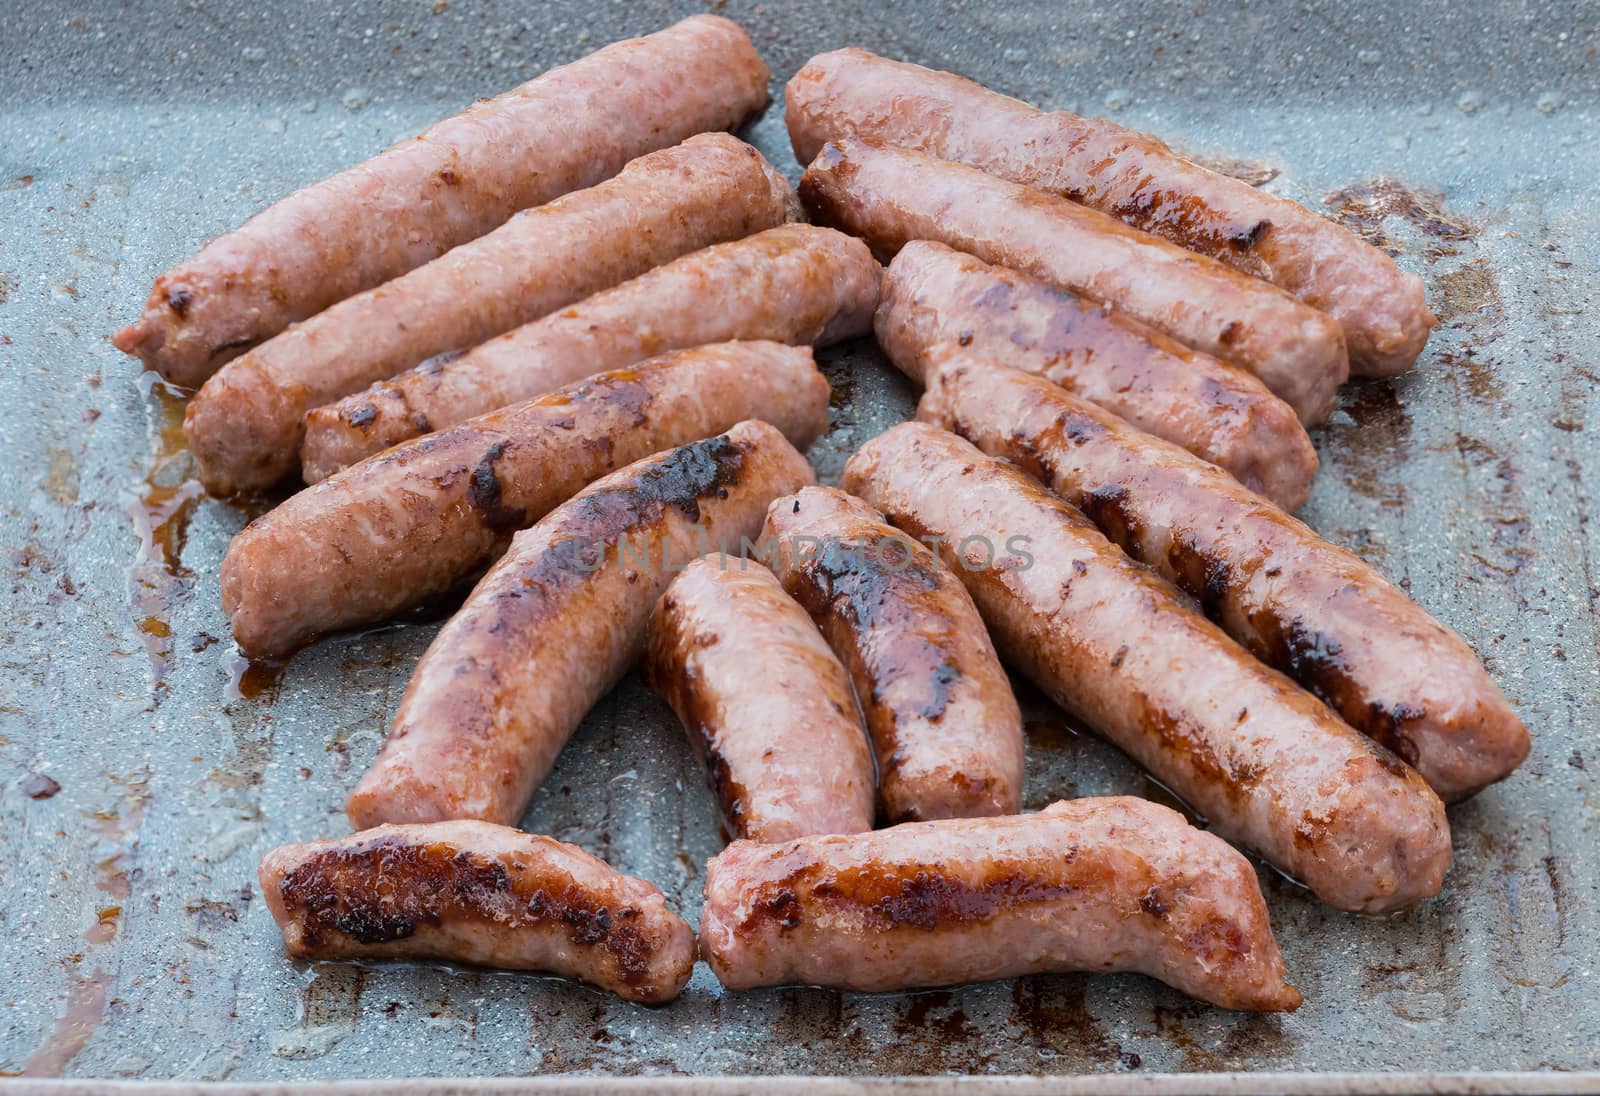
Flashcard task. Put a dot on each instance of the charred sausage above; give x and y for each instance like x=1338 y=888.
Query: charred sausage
x=1117 y=884
x=945 y=727
x=890 y=196
x=557 y=621
x=462 y=178
x=1125 y=174
x=765 y=703
x=794 y=284
x=937 y=301
x=392 y=531
x=245 y=426
x=1315 y=611
x=472 y=892
x=1119 y=648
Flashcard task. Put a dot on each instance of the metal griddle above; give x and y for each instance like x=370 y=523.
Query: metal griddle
x=133 y=940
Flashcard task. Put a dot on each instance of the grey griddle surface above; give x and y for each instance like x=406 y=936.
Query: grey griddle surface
x=133 y=940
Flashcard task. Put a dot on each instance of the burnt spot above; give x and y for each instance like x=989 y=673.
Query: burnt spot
x=484 y=494
x=1387 y=723
x=1110 y=507
x=433 y=366
x=179 y=298
x=1244 y=241
x=1154 y=904
x=449 y=177
x=1232 y=333
x=1314 y=659
x=361 y=415
x=1204 y=574
x=924 y=897
x=1116 y=659
x=679 y=481
x=782 y=907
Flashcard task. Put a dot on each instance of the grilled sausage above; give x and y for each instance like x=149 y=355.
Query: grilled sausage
x=945 y=727
x=1119 y=648
x=937 y=301
x=245 y=426
x=890 y=196
x=568 y=129
x=1116 y=884
x=403 y=526
x=794 y=284
x=555 y=624
x=1313 y=610
x=766 y=705
x=472 y=892
x=1122 y=173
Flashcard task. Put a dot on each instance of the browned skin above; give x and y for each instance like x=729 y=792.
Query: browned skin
x=392 y=531
x=1125 y=652
x=460 y=179
x=765 y=703
x=472 y=892
x=1118 y=884
x=1125 y=174
x=937 y=301
x=945 y=726
x=556 y=623
x=891 y=196
x=245 y=426
x=1313 y=610
x=793 y=284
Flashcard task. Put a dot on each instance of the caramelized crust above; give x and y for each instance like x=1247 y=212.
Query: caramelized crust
x=1311 y=609
x=1117 y=884
x=408 y=524
x=478 y=893
x=1107 y=639
x=945 y=726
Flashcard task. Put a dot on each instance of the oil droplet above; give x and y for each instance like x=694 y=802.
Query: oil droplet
x=249 y=678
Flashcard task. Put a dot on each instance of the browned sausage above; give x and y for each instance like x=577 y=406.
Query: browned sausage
x=395 y=530
x=557 y=621
x=890 y=196
x=1126 y=174
x=937 y=301
x=1117 y=884
x=245 y=426
x=472 y=892
x=1119 y=648
x=794 y=284
x=568 y=129
x=1313 y=610
x=766 y=704
x=944 y=724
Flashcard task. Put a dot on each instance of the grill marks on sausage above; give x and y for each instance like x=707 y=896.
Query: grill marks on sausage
x=384 y=891
x=484 y=494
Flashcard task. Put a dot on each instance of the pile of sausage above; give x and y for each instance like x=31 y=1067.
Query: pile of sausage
x=579 y=355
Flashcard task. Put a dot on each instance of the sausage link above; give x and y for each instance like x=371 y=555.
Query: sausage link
x=945 y=726
x=795 y=284
x=890 y=196
x=557 y=622
x=1119 y=648
x=937 y=301
x=1116 y=884
x=462 y=178
x=471 y=892
x=765 y=703
x=1315 y=611
x=395 y=530
x=1122 y=173
x=245 y=426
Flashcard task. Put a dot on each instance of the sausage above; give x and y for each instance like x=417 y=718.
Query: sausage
x=245 y=425
x=890 y=196
x=1122 y=173
x=945 y=726
x=1114 y=884
x=765 y=703
x=472 y=892
x=565 y=130
x=1313 y=610
x=392 y=531
x=795 y=284
x=557 y=621
x=1119 y=648
x=937 y=301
